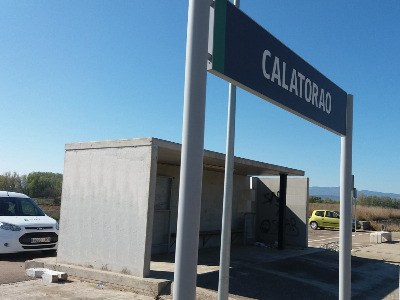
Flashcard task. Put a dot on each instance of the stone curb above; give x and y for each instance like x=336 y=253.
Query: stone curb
x=146 y=286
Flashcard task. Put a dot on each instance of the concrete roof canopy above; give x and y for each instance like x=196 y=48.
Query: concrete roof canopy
x=170 y=153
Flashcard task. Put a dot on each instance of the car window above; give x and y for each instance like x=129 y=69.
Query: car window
x=319 y=213
x=27 y=208
x=6 y=208
x=331 y=214
x=19 y=207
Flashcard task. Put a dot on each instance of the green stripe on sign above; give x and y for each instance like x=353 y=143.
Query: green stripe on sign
x=219 y=35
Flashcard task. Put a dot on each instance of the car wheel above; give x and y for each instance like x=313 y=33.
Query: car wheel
x=314 y=225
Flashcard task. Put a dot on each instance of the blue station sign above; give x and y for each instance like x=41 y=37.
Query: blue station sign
x=247 y=55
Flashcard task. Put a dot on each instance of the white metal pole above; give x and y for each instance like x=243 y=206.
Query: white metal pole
x=355 y=212
x=353 y=198
x=346 y=206
x=187 y=237
x=223 y=283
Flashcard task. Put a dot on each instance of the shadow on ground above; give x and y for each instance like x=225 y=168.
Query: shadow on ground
x=267 y=273
x=24 y=256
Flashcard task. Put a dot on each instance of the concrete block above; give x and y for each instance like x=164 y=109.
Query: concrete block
x=373 y=237
x=387 y=236
x=46 y=274
x=34 y=264
x=377 y=237
x=35 y=272
x=49 y=277
x=60 y=275
x=146 y=286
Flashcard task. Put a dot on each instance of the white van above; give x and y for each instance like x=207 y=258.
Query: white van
x=24 y=226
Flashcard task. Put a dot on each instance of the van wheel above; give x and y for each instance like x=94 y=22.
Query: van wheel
x=314 y=225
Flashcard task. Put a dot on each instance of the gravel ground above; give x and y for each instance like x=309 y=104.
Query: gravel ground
x=71 y=289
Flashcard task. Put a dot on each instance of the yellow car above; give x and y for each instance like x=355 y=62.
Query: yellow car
x=327 y=219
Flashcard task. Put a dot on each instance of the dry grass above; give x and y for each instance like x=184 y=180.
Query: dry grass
x=52 y=211
x=367 y=213
x=49 y=207
x=392 y=228
x=377 y=226
x=314 y=206
x=370 y=213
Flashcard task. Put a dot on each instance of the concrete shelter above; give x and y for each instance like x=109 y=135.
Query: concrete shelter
x=120 y=203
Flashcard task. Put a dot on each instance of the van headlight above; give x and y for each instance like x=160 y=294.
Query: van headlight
x=57 y=226
x=8 y=226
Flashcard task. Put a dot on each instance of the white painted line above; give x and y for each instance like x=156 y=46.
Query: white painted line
x=332 y=238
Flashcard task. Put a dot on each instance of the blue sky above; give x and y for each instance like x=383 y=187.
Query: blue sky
x=74 y=71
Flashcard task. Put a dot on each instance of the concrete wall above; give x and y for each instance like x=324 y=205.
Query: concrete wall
x=107 y=207
x=267 y=211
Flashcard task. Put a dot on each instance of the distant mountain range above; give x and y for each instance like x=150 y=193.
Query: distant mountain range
x=334 y=193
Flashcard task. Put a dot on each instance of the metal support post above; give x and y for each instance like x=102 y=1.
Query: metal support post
x=354 y=198
x=223 y=284
x=225 y=251
x=346 y=206
x=187 y=238
x=282 y=211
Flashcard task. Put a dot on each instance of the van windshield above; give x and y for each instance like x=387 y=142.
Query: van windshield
x=12 y=206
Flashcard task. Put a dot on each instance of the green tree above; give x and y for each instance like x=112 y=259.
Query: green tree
x=12 y=182
x=378 y=201
x=315 y=199
x=44 y=185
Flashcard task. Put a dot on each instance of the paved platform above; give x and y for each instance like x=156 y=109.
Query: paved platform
x=256 y=273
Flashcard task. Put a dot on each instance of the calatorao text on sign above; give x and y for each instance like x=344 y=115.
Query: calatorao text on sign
x=298 y=84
